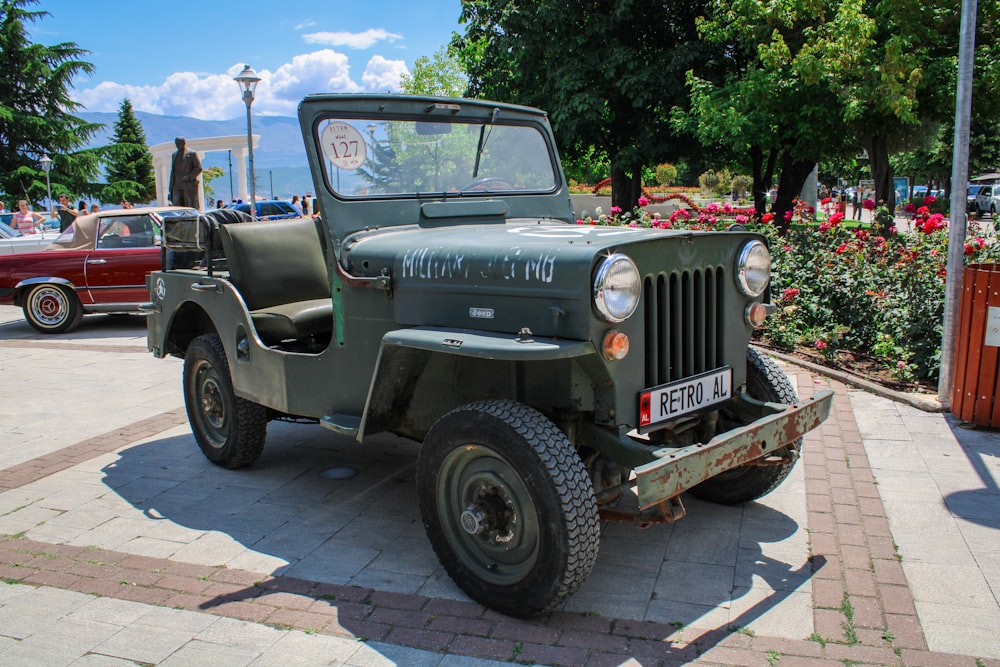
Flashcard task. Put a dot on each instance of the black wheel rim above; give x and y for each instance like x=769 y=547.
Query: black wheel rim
x=488 y=515
x=210 y=404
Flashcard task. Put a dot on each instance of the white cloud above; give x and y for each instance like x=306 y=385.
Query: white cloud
x=216 y=96
x=382 y=75
x=354 y=40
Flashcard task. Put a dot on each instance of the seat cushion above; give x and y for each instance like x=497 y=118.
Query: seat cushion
x=293 y=320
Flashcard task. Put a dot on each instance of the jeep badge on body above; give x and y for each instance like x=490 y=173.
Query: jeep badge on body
x=553 y=374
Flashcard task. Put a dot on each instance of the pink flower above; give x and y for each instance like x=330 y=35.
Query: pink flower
x=788 y=216
x=643 y=202
x=821 y=344
x=836 y=219
x=786 y=248
x=825 y=200
x=579 y=222
x=868 y=205
x=910 y=208
x=741 y=219
x=615 y=210
x=712 y=208
x=767 y=218
x=930 y=200
x=841 y=248
x=789 y=293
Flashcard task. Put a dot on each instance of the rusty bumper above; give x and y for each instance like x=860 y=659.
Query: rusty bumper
x=677 y=470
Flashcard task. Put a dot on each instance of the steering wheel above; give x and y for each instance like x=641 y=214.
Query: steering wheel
x=489 y=183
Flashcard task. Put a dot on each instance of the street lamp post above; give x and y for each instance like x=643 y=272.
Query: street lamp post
x=247 y=81
x=46 y=163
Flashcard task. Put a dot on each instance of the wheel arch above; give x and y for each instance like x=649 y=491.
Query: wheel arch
x=186 y=323
x=21 y=288
x=464 y=366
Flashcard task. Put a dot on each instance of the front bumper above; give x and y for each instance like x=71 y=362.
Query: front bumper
x=679 y=469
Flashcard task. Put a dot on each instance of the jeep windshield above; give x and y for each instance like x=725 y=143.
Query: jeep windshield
x=408 y=158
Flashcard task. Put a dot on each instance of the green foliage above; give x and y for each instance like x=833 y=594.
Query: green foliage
x=35 y=110
x=128 y=162
x=715 y=182
x=442 y=75
x=666 y=174
x=607 y=73
x=207 y=176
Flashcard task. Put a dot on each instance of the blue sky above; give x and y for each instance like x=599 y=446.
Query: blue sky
x=178 y=57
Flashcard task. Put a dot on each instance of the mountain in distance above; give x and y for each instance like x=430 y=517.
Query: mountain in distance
x=280 y=157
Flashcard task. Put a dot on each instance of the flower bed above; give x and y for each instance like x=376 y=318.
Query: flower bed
x=843 y=290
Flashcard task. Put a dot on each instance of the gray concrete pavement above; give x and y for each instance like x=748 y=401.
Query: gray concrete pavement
x=99 y=460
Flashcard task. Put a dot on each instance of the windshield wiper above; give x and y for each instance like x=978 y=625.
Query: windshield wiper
x=483 y=138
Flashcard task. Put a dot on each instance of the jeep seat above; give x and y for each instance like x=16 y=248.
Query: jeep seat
x=279 y=269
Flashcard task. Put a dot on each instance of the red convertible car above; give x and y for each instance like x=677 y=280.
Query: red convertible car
x=98 y=265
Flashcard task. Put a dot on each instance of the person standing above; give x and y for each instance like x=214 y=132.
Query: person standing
x=65 y=212
x=856 y=204
x=185 y=167
x=25 y=220
x=296 y=204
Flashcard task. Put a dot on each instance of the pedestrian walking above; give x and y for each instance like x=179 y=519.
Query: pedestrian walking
x=856 y=205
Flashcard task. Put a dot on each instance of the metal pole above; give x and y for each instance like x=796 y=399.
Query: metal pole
x=48 y=188
x=270 y=175
x=959 y=184
x=231 y=195
x=253 y=188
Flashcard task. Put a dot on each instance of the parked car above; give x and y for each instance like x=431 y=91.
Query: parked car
x=271 y=209
x=971 y=193
x=13 y=241
x=988 y=200
x=98 y=265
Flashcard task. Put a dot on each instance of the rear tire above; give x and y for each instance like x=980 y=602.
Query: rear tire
x=767 y=382
x=508 y=506
x=52 y=309
x=229 y=430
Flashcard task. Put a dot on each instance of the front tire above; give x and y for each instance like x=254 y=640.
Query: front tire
x=766 y=382
x=229 y=430
x=508 y=506
x=52 y=309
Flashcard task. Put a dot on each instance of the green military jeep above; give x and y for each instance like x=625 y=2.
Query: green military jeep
x=554 y=374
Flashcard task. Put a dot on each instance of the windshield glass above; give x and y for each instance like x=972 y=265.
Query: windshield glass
x=404 y=157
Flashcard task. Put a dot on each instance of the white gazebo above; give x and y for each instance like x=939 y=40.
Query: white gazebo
x=162 y=153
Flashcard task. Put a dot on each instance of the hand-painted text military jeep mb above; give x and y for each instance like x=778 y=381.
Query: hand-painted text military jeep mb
x=554 y=374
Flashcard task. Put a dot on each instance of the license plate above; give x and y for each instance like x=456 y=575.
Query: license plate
x=676 y=399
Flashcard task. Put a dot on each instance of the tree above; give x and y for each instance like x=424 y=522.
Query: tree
x=607 y=71
x=128 y=162
x=207 y=176
x=35 y=110
x=440 y=76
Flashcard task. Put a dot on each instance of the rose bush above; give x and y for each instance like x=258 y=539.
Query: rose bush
x=840 y=286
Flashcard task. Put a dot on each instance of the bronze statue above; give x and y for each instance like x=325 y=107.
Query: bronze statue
x=185 y=167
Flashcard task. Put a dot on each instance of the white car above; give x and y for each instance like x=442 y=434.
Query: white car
x=12 y=241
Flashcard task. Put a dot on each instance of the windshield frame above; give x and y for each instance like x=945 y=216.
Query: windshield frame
x=477 y=126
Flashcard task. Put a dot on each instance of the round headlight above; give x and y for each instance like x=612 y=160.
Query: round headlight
x=753 y=268
x=616 y=288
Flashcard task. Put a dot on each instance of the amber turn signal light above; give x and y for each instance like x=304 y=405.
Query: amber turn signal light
x=615 y=345
x=756 y=313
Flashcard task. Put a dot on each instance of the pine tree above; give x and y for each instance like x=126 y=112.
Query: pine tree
x=128 y=162
x=36 y=110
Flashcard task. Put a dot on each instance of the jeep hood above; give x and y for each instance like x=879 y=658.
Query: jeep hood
x=524 y=273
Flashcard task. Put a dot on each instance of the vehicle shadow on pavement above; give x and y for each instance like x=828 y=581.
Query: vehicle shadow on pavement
x=982 y=449
x=718 y=570
x=111 y=326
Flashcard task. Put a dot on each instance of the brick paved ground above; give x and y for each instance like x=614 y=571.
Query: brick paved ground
x=863 y=610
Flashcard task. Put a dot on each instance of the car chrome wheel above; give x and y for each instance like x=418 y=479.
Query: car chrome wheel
x=52 y=309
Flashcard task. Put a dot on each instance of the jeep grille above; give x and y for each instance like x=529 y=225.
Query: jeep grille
x=683 y=314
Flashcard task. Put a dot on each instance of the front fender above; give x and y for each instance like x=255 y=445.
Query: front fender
x=406 y=353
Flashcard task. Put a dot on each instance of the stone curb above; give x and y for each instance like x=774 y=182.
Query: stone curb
x=918 y=401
